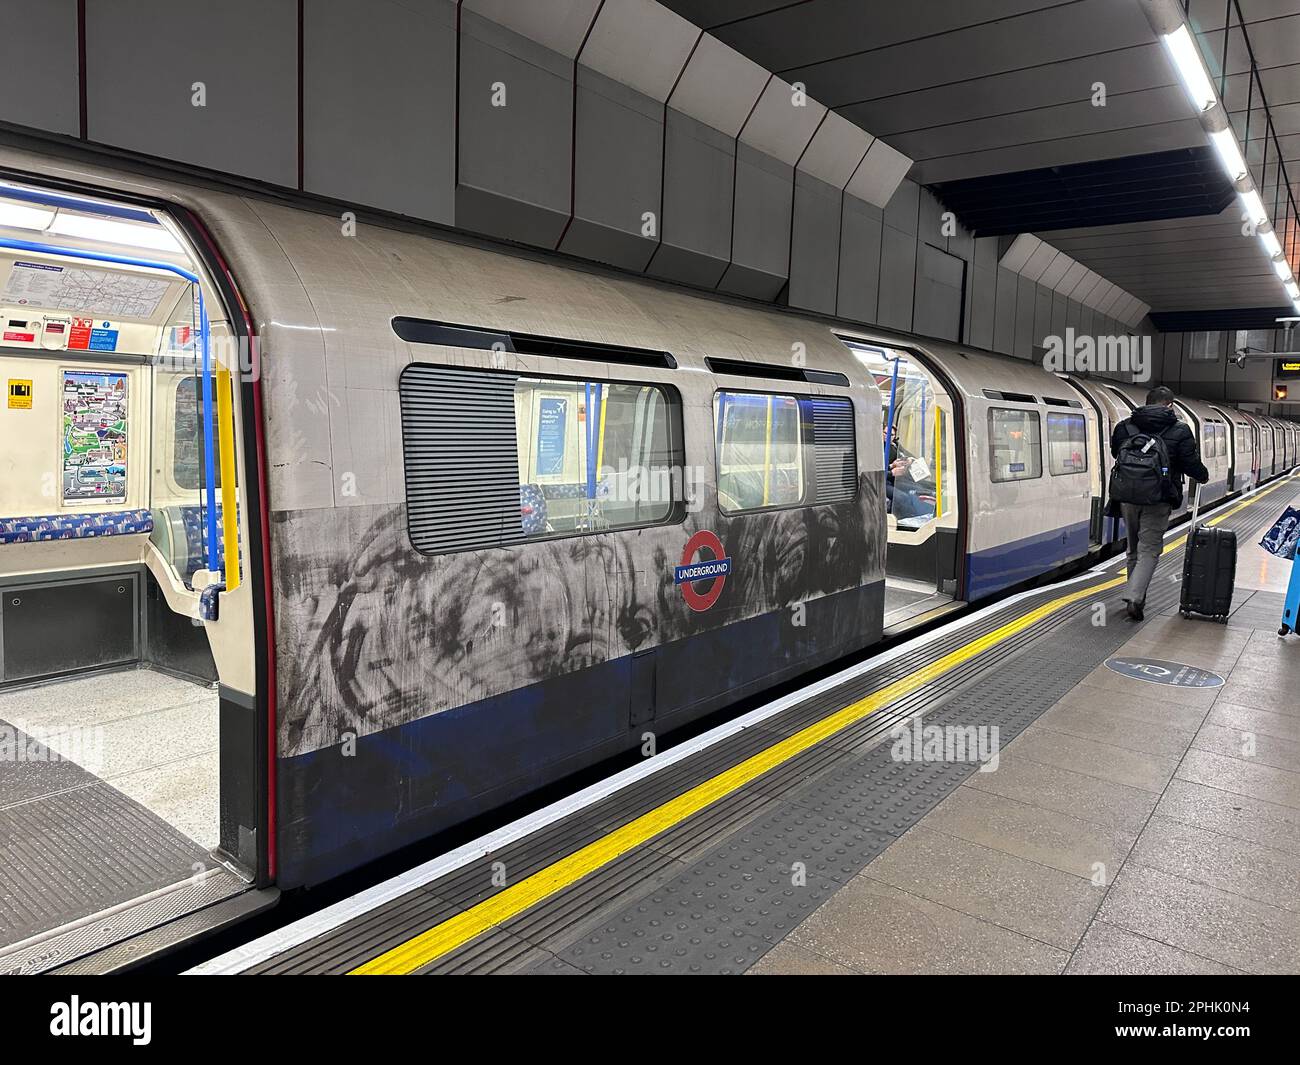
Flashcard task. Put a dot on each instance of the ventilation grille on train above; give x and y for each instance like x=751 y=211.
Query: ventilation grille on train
x=448 y=334
x=461 y=458
x=835 y=450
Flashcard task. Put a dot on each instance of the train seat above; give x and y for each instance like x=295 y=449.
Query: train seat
x=181 y=534
x=74 y=526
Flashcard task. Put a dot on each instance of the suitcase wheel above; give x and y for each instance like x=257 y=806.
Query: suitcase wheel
x=1283 y=631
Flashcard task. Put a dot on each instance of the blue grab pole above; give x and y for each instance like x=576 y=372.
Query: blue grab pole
x=889 y=421
x=152 y=264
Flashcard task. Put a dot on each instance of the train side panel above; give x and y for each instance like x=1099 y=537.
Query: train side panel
x=418 y=690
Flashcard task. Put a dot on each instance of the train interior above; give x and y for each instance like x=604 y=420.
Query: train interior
x=921 y=563
x=125 y=619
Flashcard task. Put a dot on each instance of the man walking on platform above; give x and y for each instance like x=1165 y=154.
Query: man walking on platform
x=1153 y=451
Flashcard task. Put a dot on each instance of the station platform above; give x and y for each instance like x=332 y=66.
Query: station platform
x=1043 y=786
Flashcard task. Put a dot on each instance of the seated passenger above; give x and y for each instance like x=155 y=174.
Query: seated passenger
x=905 y=497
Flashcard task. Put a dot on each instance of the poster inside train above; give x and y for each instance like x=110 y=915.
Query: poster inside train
x=94 y=436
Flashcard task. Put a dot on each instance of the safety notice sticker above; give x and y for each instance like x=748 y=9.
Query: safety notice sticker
x=20 y=394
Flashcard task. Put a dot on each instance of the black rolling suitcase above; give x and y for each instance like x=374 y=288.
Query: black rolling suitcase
x=1209 y=569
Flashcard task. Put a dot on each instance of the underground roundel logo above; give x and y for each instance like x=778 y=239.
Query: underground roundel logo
x=711 y=571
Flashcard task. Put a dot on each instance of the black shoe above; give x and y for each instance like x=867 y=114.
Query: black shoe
x=1134 y=610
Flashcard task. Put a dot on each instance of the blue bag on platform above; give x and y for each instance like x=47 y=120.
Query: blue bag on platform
x=1283 y=538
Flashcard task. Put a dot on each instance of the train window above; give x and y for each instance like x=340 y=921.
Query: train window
x=494 y=459
x=188 y=459
x=1015 y=444
x=783 y=450
x=1067 y=443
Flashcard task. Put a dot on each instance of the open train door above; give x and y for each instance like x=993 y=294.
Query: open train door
x=127 y=668
x=924 y=509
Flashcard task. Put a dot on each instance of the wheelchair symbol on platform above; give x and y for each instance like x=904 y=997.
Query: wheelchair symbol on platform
x=1154 y=671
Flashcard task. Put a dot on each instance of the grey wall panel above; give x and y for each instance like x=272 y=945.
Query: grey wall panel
x=929 y=219
x=1042 y=315
x=38 y=76
x=1026 y=291
x=619 y=142
x=986 y=252
x=760 y=235
x=897 y=277
x=1073 y=314
x=699 y=179
x=1004 y=322
x=143 y=58
x=859 y=260
x=1058 y=315
x=903 y=207
x=515 y=161
x=968 y=303
x=379 y=108
x=815 y=244
x=983 y=301
x=939 y=281
x=962 y=243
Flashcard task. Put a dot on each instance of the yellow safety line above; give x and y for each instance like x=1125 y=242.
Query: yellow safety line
x=430 y=945
x=767 y=453
x=455 y=932
x=226 y=446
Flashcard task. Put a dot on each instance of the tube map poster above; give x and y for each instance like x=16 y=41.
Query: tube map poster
x=94 y=436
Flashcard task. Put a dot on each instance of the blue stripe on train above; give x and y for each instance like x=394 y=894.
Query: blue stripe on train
x=991 y=570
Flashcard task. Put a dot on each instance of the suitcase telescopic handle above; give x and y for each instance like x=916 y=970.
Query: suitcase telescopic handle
x=1196 y=506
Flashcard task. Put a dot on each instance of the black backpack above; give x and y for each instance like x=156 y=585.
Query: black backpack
x=1141 y=471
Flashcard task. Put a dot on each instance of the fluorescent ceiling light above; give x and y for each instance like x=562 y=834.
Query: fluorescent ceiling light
x=1225 y=143
x=1271 y=244
x=1254 y=207
x=1187 y=61
x=21 y=216
x=1293 y=290
x=132 y=234
x=1282 y=268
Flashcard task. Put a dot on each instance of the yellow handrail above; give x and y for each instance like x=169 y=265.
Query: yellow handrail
x=226 y=450
x=938 y=461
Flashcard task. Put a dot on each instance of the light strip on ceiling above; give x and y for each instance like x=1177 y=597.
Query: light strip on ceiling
x=1187 y=61
x=111 y=231
x=1225 y=143
x=21 y=216
x=1254 y=207
x=1185 y=55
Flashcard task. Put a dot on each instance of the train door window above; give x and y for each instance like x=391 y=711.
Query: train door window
x=1015 y=447
x=760 y=451
x=1067 y=443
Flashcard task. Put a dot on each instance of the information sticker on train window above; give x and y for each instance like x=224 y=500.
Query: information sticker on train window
x=919 y=470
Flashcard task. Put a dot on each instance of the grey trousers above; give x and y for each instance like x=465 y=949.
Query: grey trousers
x=1146 y=526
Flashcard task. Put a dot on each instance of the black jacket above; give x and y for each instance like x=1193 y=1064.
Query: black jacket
x=1184 y=453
